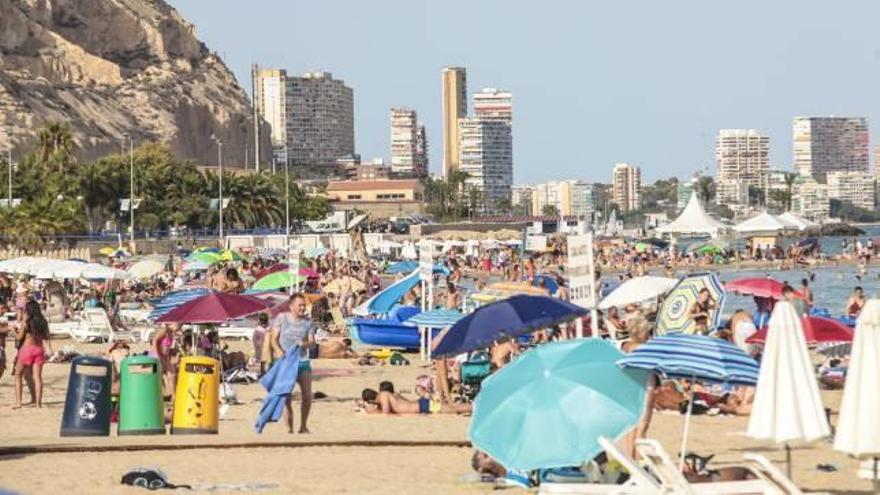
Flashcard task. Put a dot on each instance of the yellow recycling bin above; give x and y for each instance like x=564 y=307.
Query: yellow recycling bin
x=197 y=398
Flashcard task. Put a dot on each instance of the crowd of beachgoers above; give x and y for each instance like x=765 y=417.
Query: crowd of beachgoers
x=312 y=314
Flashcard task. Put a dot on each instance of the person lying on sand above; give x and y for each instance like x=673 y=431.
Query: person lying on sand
x=336 y=349
x=388 y=403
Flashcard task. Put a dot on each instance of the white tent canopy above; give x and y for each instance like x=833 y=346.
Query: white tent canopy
x=800 y=223
x=765 y=223
x=638 y=290
x=693 y=221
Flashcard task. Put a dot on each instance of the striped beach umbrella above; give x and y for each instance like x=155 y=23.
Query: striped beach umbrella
x=674 y=315
x=696 y=358
x=436 y=318
x=173 y=300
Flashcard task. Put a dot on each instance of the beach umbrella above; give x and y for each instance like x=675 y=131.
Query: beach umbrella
x=337 y=286
x=315 y=252
x=207 y=249
x=637 y=290
x=787 y=405
x=674 y=314
x=509 y=318
x=402 y=267
x=277 y=280
x=641 y=247
x=146 y=268
x=817 y=330
x=757 y=286
x=114 y=252
x=195 y=266
x=214 y=307
x=696 y=358
x=433 y=319
x=858 y=432
x=230 y=255
x=207 y=257
x=173 y=300
x=548 y=407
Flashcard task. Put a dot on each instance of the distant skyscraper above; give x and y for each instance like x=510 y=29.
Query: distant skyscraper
x=493 y=104
x=422 y=148
x=271 y=102
x=454 y=108
x=486 y=154
x=742 y=156
x=407 y=146
x=626 y=187
x=320 y=122
x=828 y=144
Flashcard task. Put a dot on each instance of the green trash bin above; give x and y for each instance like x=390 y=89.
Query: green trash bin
x=141 y=409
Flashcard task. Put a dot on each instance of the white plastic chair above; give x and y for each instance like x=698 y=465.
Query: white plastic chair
x=672 y=481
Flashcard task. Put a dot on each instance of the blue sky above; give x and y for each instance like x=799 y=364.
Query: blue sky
x=648 y=82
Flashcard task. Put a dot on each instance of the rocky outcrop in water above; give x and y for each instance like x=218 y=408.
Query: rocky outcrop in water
x=116 y=67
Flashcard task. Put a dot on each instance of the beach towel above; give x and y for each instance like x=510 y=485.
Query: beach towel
x=278 y=382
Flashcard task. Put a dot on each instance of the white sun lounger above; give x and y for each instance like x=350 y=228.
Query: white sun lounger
x=639 y=483
x=672 y=481
x=770 y=474
x=63 y=329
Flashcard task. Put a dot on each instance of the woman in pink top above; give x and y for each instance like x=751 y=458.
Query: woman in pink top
x=33 y=331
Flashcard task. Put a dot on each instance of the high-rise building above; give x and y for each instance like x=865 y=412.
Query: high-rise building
x=626 y=187
x=493 y=104
x=422 y=148
x=407 y=143
x=742 y=156
x=454 y=108
x=270 y=86
x=486 y=155
x=320 y=123
x=568 y=197
x=828 y=144
x=857 y=188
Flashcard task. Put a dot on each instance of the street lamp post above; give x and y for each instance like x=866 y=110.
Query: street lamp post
x=220 y=168
x=131 y=192
x=9 y=163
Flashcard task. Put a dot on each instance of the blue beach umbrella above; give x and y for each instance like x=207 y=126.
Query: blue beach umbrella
x=401 y=267
x=505 y=319
x=436 y=318
x=696 y=358
x=547 y=408
x=173 y=300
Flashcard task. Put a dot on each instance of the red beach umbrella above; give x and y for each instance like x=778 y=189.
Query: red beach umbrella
x=215 y=307
x=280 y=267
x=756 y=286
x=817 y=330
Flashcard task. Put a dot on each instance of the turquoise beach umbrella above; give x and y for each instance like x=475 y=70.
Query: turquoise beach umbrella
x=548 y=408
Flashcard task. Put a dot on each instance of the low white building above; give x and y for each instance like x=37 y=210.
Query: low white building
x=855 y=187
x=809 y=199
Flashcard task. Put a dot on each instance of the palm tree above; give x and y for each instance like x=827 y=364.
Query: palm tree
x=55 y=145
x=705 y=189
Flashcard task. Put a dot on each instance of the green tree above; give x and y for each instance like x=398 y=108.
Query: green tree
x=550 y=211
x=705 y=188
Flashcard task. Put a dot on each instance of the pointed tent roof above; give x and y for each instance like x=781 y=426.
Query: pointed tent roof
x=764 y=223
x=801 y=223
x=693 y=220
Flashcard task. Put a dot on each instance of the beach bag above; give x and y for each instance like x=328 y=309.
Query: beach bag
x=397 y=359
x=149 y=478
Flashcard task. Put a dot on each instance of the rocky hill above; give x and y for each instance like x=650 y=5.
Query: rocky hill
x=116 y=67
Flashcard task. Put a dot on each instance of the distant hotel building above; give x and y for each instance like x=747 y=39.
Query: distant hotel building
x=569 y=197
x=379 y=198
x=857 y=188
x=493 y=104
x=454 y=108
x=742 y=156
x=626 y=187
x=486 y=155
x=521 y=197
x=828 y=144
x=320 y=123
x=809 y=199
x=270 y=88
x=408 y=144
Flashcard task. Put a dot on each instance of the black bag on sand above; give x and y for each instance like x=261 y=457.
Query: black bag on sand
x=149 y=478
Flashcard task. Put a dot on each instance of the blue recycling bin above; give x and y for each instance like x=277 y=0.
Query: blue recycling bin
x=87 y=405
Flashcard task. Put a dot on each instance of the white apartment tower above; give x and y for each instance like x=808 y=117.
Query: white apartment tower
x=407 y=143
x=271 y=102
x=857 y=188
x=493 y=104
x=626 y=187
x=320 y=122
x=569 y=197
x=742 y=156
x=486 y=154
x=828 y=144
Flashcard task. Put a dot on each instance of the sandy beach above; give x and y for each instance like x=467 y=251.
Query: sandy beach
x=338 y=457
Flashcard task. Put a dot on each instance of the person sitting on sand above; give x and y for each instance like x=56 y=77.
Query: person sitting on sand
x=336 y=349
x=388 y=403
